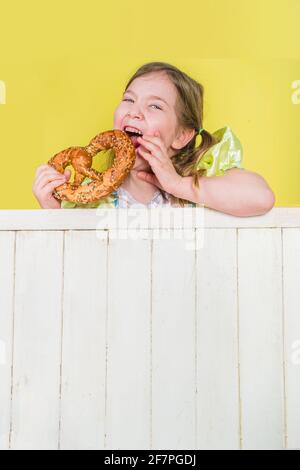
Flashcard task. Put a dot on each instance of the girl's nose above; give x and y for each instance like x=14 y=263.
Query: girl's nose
x=134 y=112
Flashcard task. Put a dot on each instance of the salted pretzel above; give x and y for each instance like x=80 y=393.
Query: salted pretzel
x=81 y=159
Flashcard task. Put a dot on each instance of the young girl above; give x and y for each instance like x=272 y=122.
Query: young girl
x=165 y=105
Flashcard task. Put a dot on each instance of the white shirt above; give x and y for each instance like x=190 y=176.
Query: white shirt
x=125 y=199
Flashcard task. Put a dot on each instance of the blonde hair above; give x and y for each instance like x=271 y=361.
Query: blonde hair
x=189 y=113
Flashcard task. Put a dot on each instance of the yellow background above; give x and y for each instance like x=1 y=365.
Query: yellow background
x=65 y=65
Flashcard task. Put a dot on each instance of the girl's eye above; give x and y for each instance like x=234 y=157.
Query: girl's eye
x=129 y=99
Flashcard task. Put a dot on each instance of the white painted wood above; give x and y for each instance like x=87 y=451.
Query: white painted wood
x=7 y=258
x=89 y=219
x=83 y=348
x=141 y=339
x=261 y=338
x=173 y=342
x=217 y=341
x=291 y=284
x=37 y=339
x=128 y=343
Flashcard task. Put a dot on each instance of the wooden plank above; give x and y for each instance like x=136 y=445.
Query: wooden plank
x=291 y=276
x=205 y=308
x=7 y=260
x=88 y=219
x=218 y=424
x=84 y=325
x=173 y=342
x=261 y=338
x=128 y=347
x=37 y=340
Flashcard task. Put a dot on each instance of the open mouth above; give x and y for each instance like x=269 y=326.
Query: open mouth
x=133 y=137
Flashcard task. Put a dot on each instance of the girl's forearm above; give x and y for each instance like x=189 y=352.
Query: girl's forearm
x=238 y=192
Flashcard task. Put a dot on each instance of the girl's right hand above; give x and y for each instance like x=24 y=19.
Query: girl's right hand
x=46 y=179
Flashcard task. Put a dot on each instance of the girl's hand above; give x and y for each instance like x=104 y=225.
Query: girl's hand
x=164 y=175
x=46 y=179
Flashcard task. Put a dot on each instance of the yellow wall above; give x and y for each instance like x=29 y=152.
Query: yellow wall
x=64 y=65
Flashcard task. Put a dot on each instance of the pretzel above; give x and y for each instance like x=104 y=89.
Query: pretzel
x=81 y=159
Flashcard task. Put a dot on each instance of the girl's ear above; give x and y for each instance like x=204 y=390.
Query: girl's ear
x=183 y=138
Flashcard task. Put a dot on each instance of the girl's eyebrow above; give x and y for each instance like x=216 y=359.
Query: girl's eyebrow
x=152 y=96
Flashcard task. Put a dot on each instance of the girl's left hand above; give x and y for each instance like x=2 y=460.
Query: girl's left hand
x=164 y=175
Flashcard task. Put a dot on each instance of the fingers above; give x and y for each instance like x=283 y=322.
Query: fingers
x=155 y=143
x=148 y=144
x=45 y=194
x=150 y=178
x=46 y=173
x=144 y=154
x=40 y=169
x=43 y=169
x=155 y=163
x=55 y=179
x=146 y=176
x=50 y=186
x=45 y=178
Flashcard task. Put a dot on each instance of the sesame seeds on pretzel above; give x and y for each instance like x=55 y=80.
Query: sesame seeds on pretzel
x=81 y=159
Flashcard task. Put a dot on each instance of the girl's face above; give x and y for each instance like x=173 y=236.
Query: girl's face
x=149 y=105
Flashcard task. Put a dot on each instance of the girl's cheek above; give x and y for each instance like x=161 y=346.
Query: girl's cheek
x=116 y=116
x=119 y=114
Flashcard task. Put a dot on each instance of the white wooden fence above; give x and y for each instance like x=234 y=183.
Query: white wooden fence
x=183 y=335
